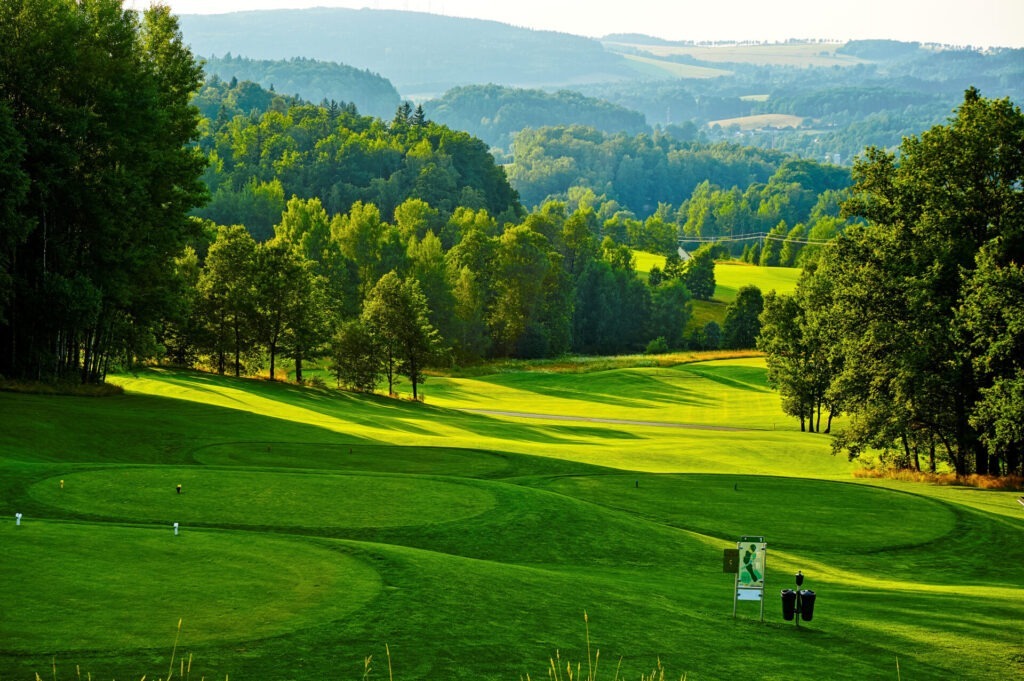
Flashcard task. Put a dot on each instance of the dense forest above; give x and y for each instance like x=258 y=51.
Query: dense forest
x=260 y=156
x=310 y=80
x=495 y=114
x=370 y=201
x=644 y=175
x=98 y=177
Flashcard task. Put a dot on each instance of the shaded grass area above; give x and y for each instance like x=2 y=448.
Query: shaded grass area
x=318 y=527
x=729 y=506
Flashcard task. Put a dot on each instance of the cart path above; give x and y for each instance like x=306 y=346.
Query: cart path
x=620 y=422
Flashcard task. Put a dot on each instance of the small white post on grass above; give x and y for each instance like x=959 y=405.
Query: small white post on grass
x=175 y=529
x=17 y=519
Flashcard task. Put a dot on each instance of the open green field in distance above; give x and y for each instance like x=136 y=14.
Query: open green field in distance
x=469 y=534
x=760 y=121
x=772 y=54
x=666 y=68
x=730 y=276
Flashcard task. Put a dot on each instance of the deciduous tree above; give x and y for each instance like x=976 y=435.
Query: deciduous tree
x=910 y=373
x=742 y=319
x=96 y=115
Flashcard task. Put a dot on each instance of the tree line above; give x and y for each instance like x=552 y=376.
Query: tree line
x=264 y=148
x=912 y=322
x=98 y=177
x=714 y=190
x=383 y=213
x=374 y=299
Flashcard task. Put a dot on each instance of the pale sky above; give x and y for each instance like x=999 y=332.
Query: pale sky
x=959 y=22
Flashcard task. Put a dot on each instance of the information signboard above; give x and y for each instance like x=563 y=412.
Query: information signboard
x=750 y=569
x=751 y=572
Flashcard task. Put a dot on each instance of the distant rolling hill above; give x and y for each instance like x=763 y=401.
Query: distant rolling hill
x=421 y=54
x=312 y=80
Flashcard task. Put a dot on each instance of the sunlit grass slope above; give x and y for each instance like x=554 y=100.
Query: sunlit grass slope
x=317 y=527
x=730 y=276
x=629 y=418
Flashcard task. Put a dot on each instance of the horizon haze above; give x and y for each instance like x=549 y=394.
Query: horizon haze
x=981 y=23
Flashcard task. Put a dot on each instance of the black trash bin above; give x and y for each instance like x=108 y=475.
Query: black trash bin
x=807 y=605
x=788 y=604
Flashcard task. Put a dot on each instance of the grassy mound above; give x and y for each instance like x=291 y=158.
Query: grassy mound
x=76 y=587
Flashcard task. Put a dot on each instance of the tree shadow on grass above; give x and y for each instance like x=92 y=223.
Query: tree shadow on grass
x=733 y=379
x=377 y=411
x=632 y=390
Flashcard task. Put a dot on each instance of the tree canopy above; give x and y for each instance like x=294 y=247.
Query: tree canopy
x=94 y=126
x=920 y=306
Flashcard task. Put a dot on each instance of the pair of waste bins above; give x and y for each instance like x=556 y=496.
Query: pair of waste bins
x=798 y=604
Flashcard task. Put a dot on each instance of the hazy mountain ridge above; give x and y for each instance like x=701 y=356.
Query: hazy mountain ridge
x=817 y=99
x=418 y=52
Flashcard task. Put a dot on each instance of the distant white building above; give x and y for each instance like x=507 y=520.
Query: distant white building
x=683 y=255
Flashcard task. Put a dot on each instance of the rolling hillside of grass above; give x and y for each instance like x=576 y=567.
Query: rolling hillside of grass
x=729 y=278
x=468 y=535
x=665 y=68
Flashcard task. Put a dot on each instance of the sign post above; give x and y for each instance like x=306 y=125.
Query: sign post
x=747 y=561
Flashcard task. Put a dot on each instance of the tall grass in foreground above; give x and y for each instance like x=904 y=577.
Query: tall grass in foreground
x=184 y=670
x=559 y=671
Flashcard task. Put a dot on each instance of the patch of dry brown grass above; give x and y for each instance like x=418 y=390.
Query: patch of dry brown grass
x=66 y=388
x=1007 y=483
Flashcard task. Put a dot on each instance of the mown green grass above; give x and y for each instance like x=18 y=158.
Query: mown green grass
x=645 y=260
x=318 y=527
x=731 y=276
x=112 y=587
x=233 y=497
